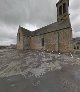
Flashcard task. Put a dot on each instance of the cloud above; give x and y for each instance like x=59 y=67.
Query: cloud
x=75 y=17
x=32 y=14
x=13 y=11
x=7 y=34
x=27 y=11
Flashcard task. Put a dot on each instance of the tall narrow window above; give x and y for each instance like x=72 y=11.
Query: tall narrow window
x=74 y=47
x=64 y=8
x=77 y=47
x=42 y=41
x=19 y=37
x=60 y=10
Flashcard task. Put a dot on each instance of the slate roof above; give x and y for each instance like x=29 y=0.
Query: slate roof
x=57 y=26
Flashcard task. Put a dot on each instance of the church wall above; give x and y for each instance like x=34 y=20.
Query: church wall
x=36 y=42
x=20 y=40
x=26 y=42
x=65 y=39
x=54 y=41
x=50 y=42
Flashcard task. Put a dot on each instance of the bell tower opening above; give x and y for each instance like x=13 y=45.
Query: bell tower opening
x=62 y=10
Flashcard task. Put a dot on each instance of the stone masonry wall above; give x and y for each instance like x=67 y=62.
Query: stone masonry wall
x=54 y=41
x=65 y=39
x=26 y=42
x=20 y=42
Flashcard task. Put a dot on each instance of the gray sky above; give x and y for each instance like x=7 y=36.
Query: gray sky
x=32 y=14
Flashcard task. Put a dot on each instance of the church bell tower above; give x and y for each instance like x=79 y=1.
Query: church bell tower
x=62 y=10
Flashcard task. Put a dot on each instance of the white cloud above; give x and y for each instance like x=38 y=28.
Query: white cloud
x=7 y=34
x=32 y=14
x=30 y=27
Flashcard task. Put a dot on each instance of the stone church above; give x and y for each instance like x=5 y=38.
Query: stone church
x=55 y=37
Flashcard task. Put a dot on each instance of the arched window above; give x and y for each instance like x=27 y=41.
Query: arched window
x=74 y=47
x=64 y=7
x=42 y=41
x=60 y=10
x=77 y=47
x=19 y=36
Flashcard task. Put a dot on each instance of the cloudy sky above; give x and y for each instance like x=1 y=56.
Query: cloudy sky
x=32 y=14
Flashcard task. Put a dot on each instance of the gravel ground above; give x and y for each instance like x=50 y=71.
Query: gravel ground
x=38 y=71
